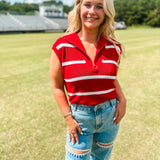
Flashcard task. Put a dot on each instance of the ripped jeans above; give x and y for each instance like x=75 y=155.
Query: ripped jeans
x=98 y=131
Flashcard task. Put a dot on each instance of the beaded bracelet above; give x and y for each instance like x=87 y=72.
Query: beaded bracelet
x=67 y=114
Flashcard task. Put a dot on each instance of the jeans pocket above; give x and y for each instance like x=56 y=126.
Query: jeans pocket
x=84 y=117
x=114 y=103
x=109 y=112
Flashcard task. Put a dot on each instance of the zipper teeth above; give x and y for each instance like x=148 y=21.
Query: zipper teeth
x=97 y=53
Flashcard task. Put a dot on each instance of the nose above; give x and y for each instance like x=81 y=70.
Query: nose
x=92 y=10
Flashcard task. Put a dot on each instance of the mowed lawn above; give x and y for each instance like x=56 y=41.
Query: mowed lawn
x=31 y=124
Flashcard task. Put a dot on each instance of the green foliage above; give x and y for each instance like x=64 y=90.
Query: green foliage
x=18 y=7
x=67 y=9
x=138 y=11
x=4 y=6
x=24 y=7
x=153 y=18
x=52 y=2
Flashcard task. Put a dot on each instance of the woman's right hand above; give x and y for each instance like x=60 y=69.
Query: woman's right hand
x=73 y=129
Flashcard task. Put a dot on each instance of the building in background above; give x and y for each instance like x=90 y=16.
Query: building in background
x=49 y=9
x=50 y=18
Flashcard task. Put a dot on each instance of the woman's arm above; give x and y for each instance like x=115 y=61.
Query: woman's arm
x=121 y=107
x=58 y=84
x=60 y=96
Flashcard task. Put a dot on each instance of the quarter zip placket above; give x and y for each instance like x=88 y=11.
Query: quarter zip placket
x=93 y=63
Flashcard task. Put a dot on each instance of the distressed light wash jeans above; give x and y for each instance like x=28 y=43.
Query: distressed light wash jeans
x=98 y=131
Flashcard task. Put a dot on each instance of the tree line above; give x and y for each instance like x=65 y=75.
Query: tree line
x=18 y=8
x=28 y=9
x=138 y=12
x=132 y=12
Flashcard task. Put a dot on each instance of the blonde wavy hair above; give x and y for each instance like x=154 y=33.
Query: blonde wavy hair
x=107 y=28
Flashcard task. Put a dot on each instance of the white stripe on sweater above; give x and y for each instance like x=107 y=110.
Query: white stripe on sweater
x=90 y=77
x=90 y=93
x=110 y=61
x=112 y=46
x=73 y=62
x=64 y=45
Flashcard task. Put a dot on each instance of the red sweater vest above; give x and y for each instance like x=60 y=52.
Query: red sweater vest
x=87 y=82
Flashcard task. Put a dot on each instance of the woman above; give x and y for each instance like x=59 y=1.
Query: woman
x=85 y=61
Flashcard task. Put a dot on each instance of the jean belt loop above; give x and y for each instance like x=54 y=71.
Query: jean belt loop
x=95 y=107
x=74 y=106
x=111 y=102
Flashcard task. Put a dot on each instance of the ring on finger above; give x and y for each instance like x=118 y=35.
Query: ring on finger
x=72 y=135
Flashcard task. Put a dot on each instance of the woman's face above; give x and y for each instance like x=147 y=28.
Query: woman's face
x=92 y=14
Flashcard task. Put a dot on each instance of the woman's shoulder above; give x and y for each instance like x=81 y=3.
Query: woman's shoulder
x=115 y=42
x=66 y=37
x=64 y=40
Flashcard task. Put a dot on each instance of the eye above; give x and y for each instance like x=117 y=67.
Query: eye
x=99 y=7
x=87 y=5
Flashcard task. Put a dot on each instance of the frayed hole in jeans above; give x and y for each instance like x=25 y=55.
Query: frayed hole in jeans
x=77 y=152
x=104 y=145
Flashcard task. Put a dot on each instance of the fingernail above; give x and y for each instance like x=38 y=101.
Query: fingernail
x=114 y=118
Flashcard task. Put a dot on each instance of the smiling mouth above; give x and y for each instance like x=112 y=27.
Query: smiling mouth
x=91 y=18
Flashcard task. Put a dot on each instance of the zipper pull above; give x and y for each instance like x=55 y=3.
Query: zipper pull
x=94 y=66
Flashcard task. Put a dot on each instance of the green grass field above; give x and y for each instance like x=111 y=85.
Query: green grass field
x=31 y=124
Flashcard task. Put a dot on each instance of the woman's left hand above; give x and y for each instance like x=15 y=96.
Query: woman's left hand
x=120 y=111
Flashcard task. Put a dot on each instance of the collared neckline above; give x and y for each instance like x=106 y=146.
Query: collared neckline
x=75 y=40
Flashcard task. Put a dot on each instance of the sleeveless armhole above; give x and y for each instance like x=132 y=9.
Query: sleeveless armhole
x=58 y=51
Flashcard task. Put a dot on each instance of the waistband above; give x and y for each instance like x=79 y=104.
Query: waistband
x=111 y=102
